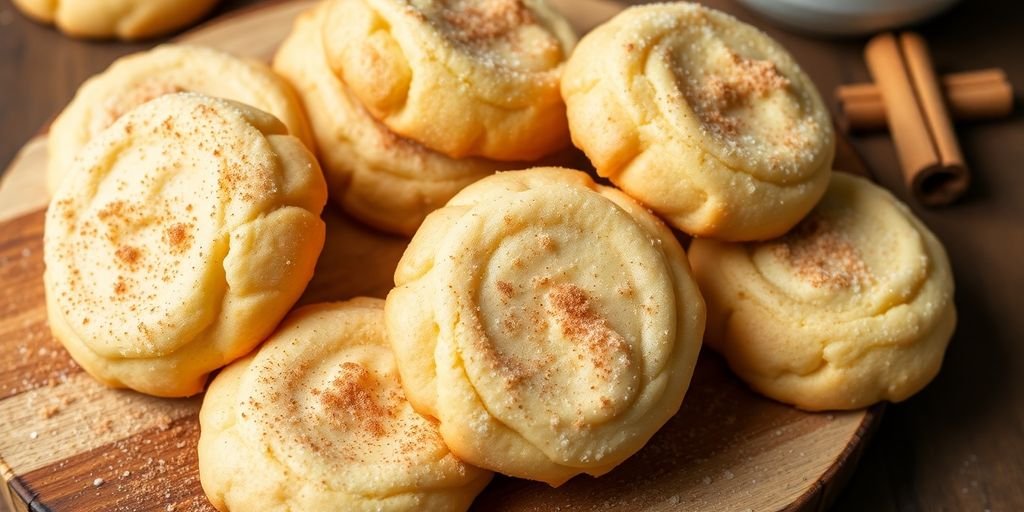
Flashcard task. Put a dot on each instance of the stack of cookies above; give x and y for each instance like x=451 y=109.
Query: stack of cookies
x=823 y=290
x=542 y=325
x=410 y=104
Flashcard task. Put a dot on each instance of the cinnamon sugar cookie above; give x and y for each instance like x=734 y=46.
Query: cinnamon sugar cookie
x=549 y=323
x=121 y=19
x=852 y=307
x=382 y=179
x=465 y=78
x=180 y=238
x=317 y=420
x=135 y=79
x=702 y=118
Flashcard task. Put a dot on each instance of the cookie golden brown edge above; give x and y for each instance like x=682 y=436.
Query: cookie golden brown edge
x=382 y=179
x=702 y=118
x=550 y=324
x=181 y=237
x=316 y=420
x=466 y=78
x=852 y=307
x=140 y=77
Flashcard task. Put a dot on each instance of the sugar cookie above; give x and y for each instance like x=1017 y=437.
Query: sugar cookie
x=184 y=233
x=702 y=118
x=380 y=178
x=317 y=420
x=123 y=19
x=465 y=78
x=135 y=79
x=852 y=307
x=549 y=323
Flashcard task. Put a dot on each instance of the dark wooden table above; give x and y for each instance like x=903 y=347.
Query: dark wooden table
x=959 y=444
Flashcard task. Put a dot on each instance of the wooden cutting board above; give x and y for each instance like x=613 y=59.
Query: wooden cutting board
x=68 y=443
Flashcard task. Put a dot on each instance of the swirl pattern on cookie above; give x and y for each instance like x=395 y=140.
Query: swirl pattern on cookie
x=702 y=118
x=852 y=307
x=183 y=234
x=462 y=77
x=138 y=78
x=317 y=420
x=549 y=323
x=122 y=19
x=382 y=179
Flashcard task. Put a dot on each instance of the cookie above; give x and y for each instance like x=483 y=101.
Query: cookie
x=550 y=324
x=466 y=78
x=121 y=19
x=181 y=237
x=703 y=118
x=378 y=177
x=135 y=79
x=852 y=307
x=317 y=420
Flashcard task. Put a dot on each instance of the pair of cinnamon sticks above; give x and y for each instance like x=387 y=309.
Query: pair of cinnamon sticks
x=918 y=119
x=970 y=95
x=917 y=107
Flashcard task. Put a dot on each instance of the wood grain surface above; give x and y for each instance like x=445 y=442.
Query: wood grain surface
x=75 y=445
x=728 y=450
x=955 y=446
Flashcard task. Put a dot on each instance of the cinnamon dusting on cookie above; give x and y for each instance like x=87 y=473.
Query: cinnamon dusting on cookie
x=821 y=255
x=486 y=20
x=357 y=416
x=510 y=324
x=582 y=324
x=120 y=286
x=113 y=210
x=178 y=236
x=546 y=242
x=352 y=395
x=115 y=107
x=128 y=255
x=572 y=306
x=742 y=80
x=506 y=289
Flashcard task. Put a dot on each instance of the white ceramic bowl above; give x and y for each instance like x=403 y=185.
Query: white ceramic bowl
x=847 y=17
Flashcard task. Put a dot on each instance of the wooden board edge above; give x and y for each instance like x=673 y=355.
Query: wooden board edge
x=15 y=496
x=823 y=493
x=12 y=203
x=819 y=496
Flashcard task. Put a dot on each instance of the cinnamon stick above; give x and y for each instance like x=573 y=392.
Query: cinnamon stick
x=949 y=181
x=982 y=94
x=921 y=129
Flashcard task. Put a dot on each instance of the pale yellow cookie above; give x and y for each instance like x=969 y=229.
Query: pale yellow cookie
x=135 y=79
x=316 y=420
x=549 y=323
x=701 y=117
x=122 y=19
x=465 y=78
x=852 y=307
x=179 y=239
x=382 y=179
